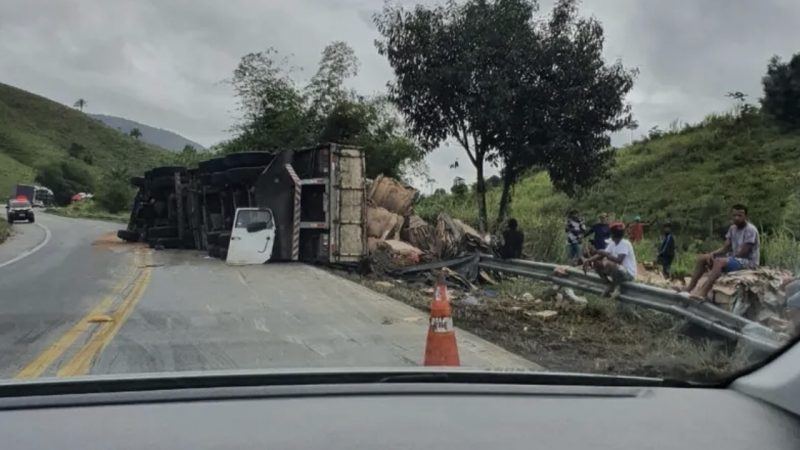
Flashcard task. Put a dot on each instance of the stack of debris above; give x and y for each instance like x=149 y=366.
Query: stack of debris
x=399 y=238
x=756 y=295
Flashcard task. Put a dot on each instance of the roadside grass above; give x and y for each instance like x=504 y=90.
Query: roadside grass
x=602 y=336
x=690 y=177
x=5 y=230
x=89 y=209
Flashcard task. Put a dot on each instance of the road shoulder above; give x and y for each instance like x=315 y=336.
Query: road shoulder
x=25 y=238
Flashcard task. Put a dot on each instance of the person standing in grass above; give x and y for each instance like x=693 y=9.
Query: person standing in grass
x=666 y=249
x=575 y=230
x=636 y=229
x=512 y=241
x=615 y=264
x=741 y=251
x=600 y=233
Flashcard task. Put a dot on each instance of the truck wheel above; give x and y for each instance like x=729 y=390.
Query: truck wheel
x=171 y=242
x=248 y=159
x=213 y=251
x=9 y=219
x=137 y=182
x=31 y=219
x=128 y=236
x=224 y=239
x=223 y=254
x=244 y=175
x=165 y=171
x=211 y=165
x=219 y=179
x=211 y=237
x=162 y=232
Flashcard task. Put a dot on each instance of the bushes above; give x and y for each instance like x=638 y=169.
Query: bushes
x=114 y=196
x=65 y=178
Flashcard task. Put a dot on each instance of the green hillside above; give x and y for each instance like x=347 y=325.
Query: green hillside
x=35 y=131
x=690 y=176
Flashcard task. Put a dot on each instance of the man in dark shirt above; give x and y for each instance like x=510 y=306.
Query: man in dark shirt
x=512 y=241
x=666 y=250
x=601 y=233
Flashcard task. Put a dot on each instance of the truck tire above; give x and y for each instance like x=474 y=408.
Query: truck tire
x=162 y=232
x=128 y=236
x=9 y=219
x=162 y=183
x=31 y=219
x=212 y=165
x=223 y=253
x=248 y=159
x=211 y=237
x=224 y=239
x=171 y=242
x=219 y=179
x=244 y=175
x=165 y=171
x=213 y=251
x=138 y=182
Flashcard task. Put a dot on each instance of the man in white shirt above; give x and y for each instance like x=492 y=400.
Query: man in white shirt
x=615 y=264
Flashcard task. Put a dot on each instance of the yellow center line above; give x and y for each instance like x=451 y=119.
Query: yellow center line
x=81 y=362
x=45 y=359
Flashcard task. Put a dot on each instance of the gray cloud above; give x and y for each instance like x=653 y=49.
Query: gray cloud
x=163 y=62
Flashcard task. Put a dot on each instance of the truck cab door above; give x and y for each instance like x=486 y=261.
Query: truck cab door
x=252 y=236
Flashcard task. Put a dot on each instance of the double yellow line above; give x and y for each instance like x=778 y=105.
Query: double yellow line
x=81 y=361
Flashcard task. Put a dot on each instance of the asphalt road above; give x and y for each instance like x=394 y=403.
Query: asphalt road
x=85 y=303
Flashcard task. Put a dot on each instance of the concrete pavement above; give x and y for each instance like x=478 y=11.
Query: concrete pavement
x=93 y=305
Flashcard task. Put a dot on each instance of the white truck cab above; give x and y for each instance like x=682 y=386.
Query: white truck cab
x=252 y=237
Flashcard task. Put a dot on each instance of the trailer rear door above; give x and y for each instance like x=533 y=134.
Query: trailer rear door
x=348 y=204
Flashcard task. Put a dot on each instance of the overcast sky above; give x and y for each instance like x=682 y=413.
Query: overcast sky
x=163 y=62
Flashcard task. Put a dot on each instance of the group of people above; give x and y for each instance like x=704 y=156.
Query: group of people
x=613 y=257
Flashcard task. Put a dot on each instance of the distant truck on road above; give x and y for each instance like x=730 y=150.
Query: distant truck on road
x=37 y=195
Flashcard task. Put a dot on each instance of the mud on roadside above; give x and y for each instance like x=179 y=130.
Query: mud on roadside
x=601 y=336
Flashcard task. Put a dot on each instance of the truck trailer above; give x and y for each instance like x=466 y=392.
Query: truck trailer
x=310 y=204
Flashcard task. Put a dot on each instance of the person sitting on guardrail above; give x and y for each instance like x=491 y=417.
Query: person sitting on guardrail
x=616 y=263
x=741 y=251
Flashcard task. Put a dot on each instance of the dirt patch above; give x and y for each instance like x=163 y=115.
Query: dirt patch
x=601 y=336
x=110 y=241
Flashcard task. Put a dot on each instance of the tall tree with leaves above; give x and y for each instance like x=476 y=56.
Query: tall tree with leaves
x=135 y=133
x=561 y=116
x=80 y=104
x=326 y=88
x=782 y=91
x=479 y=71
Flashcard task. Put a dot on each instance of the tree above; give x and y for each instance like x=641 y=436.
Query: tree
x=66 y=178
x=189 y=156
x=560 y=116
x=80 y=104
x=135 y=133
x=782 y=91
x=459 y=187
x=478 y=71
x=276 y=114
x=326 y=88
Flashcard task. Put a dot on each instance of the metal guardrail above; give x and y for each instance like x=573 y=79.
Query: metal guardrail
x=755 y=336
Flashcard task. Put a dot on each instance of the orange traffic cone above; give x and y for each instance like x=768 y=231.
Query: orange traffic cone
x=441 y=349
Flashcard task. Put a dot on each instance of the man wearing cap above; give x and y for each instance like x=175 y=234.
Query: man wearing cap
x=617 y=262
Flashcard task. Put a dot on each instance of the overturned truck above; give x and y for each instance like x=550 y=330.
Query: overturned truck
x=293 y=205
